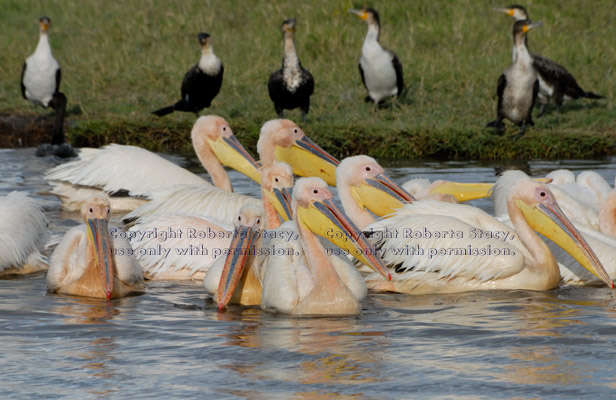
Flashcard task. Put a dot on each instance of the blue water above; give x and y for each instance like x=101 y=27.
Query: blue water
x=172 y=343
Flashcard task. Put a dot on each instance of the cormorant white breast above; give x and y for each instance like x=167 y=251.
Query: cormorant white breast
x=291 y=86
x=518 y=85
x=380 y=68
x=201 y=83
x=40 y=83
x=555 y=82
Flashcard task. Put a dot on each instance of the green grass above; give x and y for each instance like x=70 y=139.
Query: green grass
x=121 y=60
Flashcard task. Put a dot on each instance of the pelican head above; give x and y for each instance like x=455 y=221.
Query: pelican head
x=369 y=185
x=516 y=11
x=276 y=182
x=540 y=209
x=283 y=140
x=217 y=133
x=314 y=208
x=247 y=227
x=44 y=24
x=96 y=214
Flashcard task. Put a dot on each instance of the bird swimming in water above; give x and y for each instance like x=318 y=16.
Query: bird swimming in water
x=518 y=86
x=91 y=262
x=201 y=83
x=291 y=86
x=23 y=233
x=555 y=82
x=40 y=83
x=380 y=68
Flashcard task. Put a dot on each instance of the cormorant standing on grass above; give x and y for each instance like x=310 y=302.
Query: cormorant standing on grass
x=40 y=83
x=518 y=85
x=291 y=86
x=201 y=83
x=554 y=80
x=380 y=68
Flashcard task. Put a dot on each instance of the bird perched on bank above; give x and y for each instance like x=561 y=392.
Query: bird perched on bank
x=518 y=86
x=291 y=86
x=380 y=68
x=555 y=82
x=201 y=83
x=40 y=83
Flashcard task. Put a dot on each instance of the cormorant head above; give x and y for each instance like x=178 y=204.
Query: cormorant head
x=520 y=28
x=204 y=38
x=516 y=11
x=288 y=27
x=44 y=23
x=367 y=14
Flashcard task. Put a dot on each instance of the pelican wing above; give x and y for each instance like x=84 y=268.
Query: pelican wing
x=194 y=200
x=445 y=247
x=67 y=262
x=23 y=230
x=128 y=268
x=286 y=277
x=116 y=167
x=178 y=247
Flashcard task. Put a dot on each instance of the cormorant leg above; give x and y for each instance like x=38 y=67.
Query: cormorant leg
x=58 y=103
x=558 y=96
x=519 y=135
x=497 y=125
x=543 y=107
x=305 y=108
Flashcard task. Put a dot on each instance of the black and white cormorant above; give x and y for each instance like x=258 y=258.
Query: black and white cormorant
x=40 y=83
x=555 y=82
x=518 y=85
x=291 y=86
x=201 y=83
x=380 y=68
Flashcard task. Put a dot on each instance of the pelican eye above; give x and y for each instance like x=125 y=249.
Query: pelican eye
x=315 y=191
x=295 y=130
x=224 y=128
x=367 y=168
x=91 y=210
x=276 y=179
x=239 y=218
x=542 y=194
x=258 y=221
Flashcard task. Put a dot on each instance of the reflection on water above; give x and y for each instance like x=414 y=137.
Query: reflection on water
x=171 y=341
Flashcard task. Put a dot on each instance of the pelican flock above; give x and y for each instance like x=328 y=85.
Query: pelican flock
x=293 y=250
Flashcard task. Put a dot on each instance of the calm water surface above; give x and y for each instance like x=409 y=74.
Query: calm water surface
x=172 y=343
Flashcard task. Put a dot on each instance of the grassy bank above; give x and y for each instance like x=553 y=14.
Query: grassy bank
x=121 y=60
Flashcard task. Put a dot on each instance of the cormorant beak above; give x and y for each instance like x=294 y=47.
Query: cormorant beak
x=281 y=200
x=463 y=191
x=235 y=263
x=326 y=220
x=98 y=233
x=360 y=13
x=380 y=195
x=505 y=10
x=308 y=159
x=530 y=26
x=547 y=218
x=231 y=153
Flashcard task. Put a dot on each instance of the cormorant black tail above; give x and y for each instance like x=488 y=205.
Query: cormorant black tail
x=591 y=95
x=164 y=111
